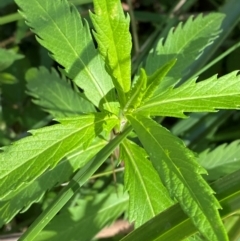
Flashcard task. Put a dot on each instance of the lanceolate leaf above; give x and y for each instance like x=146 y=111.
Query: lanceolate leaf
x=55 y=94
x=135 y=95
x=59 y=28
x=114 y=42
x=147 y=195
x=28 y=158
x=205 y=96
x=34 y=191
x=181 y=174
x=87 y=218
x=185 y=43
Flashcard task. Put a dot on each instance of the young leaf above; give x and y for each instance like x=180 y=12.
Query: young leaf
x=55 y=94
x=135 y=95
x=156 y=78
x=221 y=161
x=181 y=174
x=59 y=28
x=204 y=96
x=147 y=195
x=28 y=158
x=185 y=43
x=34 y=191
x=74 y=222
x=114 y=42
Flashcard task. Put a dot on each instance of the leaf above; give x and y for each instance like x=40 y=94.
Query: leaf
x=55 y=94
x=156 y=78
x=7 y=57
x=185 y=43
x=6 y=78
x=34 y=191
x=179 y=225
x=221 y=161
x=114 y=42
x=147 y=195
x=28 y=158
x=204 y=96
x=181 y=174
x=59 y=28
x=95 y=214
x=135 y=95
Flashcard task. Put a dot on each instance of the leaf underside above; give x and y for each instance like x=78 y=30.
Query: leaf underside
x=181 y=174
x=54 y=94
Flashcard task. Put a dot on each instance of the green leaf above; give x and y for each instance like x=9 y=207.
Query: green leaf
x=55 y=94
x=7 y=57
x=28 y=158
x=35 y=190
x=135 y=95
x=204 y=96
x=6 y=78
x=114 y=42
x=181 y=174
x=95 y=214
x=185 y=43
x=156 y=78
x=147 y=195
x=59 y=28
x=179 y=225
x=221 y=161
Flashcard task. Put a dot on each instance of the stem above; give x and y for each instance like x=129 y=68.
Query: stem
x=78 y=180
x=221 y=56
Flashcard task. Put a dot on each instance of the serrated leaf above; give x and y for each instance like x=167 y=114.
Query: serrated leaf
x=7 y=57
x=55 y=94
x=221 y=161
x=205 y=96
x=73 y=223
x=156 y=78
x=181 y=174
x=135 y=95
x=33 y=191
x=114 y=42
x=28 y=158
x=59 y=28
x=185 y=43
x=147 y=195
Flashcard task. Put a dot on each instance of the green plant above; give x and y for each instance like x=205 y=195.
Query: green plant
x=101 y=114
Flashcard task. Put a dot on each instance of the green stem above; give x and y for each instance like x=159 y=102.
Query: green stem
x=221 y=56
x=78 y=180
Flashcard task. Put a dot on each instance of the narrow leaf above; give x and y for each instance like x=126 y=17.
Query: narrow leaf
x=55 y=94
x=114 y=42
x=135 y=95
x=147 y=195
x=185 y=43
x=181 y=174
x=59 y=28
x=75 y=222
x=28 y=158
x=205 y=96
x=34 y=191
